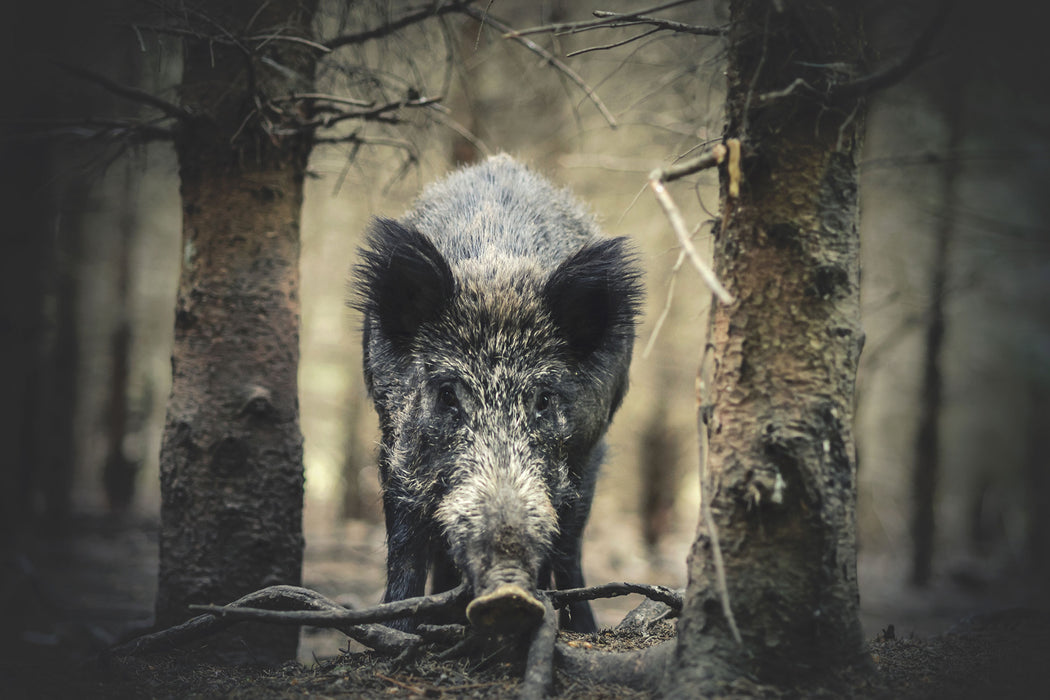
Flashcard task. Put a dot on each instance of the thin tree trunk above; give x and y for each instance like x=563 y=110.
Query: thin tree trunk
x=231 y=458
x=118 y=474
x=772 y=589
x=927 y=466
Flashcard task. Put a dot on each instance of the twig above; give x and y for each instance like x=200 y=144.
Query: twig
x=397 y=24
x=674 y=215
x=539 y=668
x=442 y=118
x=671 y=25
x=378 y=637
x=322 y=97
x=663 y=594
x=606 y=47
x=707 y=159
x=380 y=113
x=129 y=93
x=573 y=27
x=337 y=618
x=896 y=72
x=778 y=94
x=547 y=56
x=666 y=311
x=264 y=38
x=720 y=571
x=88 y=129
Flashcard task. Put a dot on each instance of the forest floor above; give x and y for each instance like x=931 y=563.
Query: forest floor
x=84 y=591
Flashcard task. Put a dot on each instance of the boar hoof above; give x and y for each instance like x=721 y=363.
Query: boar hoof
x=508 y=608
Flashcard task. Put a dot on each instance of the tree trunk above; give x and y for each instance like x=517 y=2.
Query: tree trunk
x=775 y=554
x=927 y=466
x=231 y=458
x=119 y=472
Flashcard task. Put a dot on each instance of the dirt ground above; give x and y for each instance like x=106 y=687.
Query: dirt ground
x=82 y=592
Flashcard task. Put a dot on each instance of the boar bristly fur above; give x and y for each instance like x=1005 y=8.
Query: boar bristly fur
x=498 y=327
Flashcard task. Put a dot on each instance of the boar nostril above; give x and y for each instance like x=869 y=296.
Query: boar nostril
x=508 y=608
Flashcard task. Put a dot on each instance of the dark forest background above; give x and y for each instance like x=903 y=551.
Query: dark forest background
x=953 y=408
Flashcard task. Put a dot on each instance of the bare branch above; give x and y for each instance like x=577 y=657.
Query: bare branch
x=547 y=56
x=441 y=117
x=777 y=94
x=378 y=113
x=266 y=38
x=666 y=311
x=574 y=27
x=720 y=570
x=660 y=23
x=91 y=129
x=129 y=93
x=378 y=637
x=408 y=19
x=662 y=594
x=674 y=215
x=896 y=72
x=613 y=45
x=338 y=618
x=707 y=159
x=539 y=668
x=321 y=97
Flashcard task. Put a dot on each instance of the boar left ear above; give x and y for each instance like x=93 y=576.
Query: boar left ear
x=595 y=295
x=403 y=281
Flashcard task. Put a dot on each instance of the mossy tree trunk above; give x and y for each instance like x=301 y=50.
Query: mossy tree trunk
x=231 y=458
x=777 y=523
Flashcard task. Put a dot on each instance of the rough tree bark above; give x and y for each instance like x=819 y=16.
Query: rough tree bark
x=231 y=458
x=775 y=554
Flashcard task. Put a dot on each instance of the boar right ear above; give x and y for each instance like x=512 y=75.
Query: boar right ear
x=403 y=281
x=594 y=296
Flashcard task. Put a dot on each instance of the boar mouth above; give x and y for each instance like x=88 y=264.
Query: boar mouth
x=507 y=608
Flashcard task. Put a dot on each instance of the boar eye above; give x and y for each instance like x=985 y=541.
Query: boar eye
x=542 y=403
x=447 y=397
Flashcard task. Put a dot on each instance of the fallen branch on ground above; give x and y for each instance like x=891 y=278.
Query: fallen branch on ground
x=302 y=606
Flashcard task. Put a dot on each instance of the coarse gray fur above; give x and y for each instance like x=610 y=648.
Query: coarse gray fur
x=498 y=326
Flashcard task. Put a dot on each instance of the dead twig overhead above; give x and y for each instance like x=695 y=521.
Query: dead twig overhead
x=708 y=159
x=129 y=93
x=393 y=25
x=629 y=20
x=551 y=60
x=602 y=22
x=662 y=594
x=895 y=72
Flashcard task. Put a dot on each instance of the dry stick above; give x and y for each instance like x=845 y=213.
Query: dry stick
x=412 y=17
x=343 y=616
x=623 y=20
x=615 y=44
x=720 y=572
x=539 y=668
x=378 y=637
x=603 y=21
x=129 y=93
x=663 y=594
x=508 y=32
x=674 y=215
x=666 y=311
x=897 y=71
